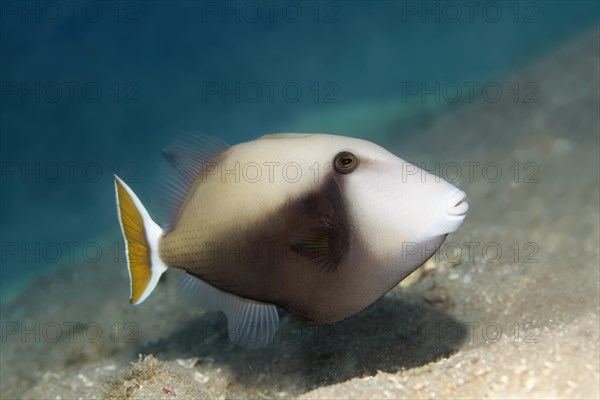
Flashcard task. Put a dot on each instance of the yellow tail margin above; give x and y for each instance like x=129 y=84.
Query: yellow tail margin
x=141 y=236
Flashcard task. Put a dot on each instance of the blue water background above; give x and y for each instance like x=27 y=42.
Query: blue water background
x=154 y=62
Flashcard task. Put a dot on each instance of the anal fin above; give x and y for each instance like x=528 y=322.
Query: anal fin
x=251 y=324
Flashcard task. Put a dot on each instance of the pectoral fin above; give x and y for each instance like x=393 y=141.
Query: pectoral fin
x=324 y=235
x=320 y=244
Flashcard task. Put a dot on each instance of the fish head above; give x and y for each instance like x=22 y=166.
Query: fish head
x=389 y=201
x=395 y=207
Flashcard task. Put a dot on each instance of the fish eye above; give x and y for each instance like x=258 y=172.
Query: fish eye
x=345 y=162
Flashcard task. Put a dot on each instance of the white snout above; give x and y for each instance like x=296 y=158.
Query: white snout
x=456 y=204
x=450 y=215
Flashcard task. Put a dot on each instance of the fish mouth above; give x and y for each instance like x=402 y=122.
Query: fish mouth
x=457 y=205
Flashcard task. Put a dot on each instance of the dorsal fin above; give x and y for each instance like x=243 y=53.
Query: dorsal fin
x=185 y=159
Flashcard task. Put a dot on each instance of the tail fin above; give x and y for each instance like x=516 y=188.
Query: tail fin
x=141 y=236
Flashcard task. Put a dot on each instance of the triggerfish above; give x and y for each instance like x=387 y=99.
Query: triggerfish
x=319 y=225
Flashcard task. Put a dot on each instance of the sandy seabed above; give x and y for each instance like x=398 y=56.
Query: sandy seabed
x=520 y=324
